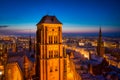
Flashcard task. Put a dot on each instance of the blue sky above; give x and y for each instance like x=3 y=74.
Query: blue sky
x=76 y=15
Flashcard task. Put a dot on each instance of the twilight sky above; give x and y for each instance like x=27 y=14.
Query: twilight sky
x=76 y=15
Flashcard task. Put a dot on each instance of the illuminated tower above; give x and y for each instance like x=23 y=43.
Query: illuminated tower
x=50 y=57
x=100 y=45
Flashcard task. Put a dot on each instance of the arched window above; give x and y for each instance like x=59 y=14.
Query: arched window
x=55 y=53
x=50 y=54
x=50 y=39
x=55 y=39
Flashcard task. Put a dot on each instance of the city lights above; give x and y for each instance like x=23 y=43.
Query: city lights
x=59 y=39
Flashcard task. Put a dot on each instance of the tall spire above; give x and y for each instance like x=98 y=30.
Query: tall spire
x=100 y=37
x=100 y=32
x=30 y=43
x=100 y=50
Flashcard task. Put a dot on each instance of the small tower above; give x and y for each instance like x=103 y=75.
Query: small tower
x=34 y=45
x=25 y=66
x=30 y=44
x=100 y=45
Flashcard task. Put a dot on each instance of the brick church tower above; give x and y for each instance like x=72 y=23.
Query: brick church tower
x=50 y=59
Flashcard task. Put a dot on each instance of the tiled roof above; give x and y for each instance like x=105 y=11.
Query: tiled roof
x=20 y=58
x=49 y=19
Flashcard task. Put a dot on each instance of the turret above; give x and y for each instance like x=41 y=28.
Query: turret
x=25 y=66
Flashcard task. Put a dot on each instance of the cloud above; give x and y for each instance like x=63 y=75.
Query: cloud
x=4 y=26
x=7 y=31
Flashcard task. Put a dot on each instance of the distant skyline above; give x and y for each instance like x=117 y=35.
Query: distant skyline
x=76 y=15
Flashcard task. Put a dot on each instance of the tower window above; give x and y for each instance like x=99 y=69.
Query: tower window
x=55 y=53
x=56 y=68
x=50 y=69
x=59 y=29
x=50 y=39
x=55 y=39
x=50 y=54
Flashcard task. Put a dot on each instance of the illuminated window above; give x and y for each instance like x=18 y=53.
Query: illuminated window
x=55 y=53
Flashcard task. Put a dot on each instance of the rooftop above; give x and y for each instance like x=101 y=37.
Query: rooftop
x=50 y=20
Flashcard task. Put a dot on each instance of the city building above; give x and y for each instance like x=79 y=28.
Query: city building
x=3 y=59
x=16 y=62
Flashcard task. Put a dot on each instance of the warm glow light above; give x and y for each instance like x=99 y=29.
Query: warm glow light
x=70 y=75
x=0 y=72
x=86 y=56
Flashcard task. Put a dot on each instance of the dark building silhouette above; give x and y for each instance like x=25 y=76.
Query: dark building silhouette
x=30 y=44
